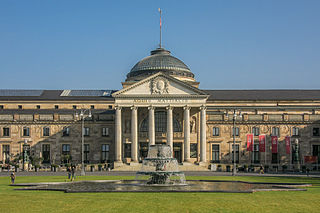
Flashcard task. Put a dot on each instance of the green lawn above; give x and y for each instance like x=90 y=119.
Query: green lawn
x=49 y=201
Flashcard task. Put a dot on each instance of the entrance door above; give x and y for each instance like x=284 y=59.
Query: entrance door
x=143 y=150
x=46 y=153
x=177 y=152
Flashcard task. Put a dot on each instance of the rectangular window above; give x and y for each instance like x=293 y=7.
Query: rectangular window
x=46 y=131
x=26 y=131
x=38 y=106
x=19 y=106
x=215 y=131
x=6 y=153
x=86 y=131
x=74 y=106
x=275 y=131
x=6 y=131
x=66 y=157
x=316 y=151
x=92 y=106
x=105 y=152
x=105 y=131
x=256 y=131
x=215 y=153
x=193 y=150
x=237 y=153
x=46 y=153
x=86 y=153
x=274 y=158
x=127 y=150
x=295 y=131
x=1 y=106
x=236 y=130
x=56 y=106
x=256 y=155
x=110 y=106
x=66 y=131
x=316 y=132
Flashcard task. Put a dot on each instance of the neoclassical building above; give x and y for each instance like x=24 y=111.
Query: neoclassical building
x=160 y=102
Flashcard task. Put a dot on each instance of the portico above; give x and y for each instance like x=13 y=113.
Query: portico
x=162 y=93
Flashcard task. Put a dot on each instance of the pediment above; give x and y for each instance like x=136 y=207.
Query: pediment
x=159 y=85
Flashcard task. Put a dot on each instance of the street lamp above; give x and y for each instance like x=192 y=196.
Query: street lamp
x=83 y=116
x=235 y=113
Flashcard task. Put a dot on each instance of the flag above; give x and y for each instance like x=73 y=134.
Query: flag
x=288 y=144
x=262 y=143
x=250 y=142
x=274 y=144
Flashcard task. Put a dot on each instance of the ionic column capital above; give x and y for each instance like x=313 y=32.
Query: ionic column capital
x=203 y=108
x=186 y=108
x=117 y=107
x=133 y=108
x=151 y=107
x=169 y=107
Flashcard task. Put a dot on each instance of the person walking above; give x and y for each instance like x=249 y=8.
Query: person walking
x=12 y=177
x=69 y=172
x=73 y=171
x=261 y=169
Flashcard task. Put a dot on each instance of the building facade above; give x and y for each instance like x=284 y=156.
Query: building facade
x=160 y=102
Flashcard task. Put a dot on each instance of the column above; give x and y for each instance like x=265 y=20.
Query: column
x=170 y=127
x=203 y=137
x=186 y=133
x=118 y=144
x=134 y=134
x=152 y=135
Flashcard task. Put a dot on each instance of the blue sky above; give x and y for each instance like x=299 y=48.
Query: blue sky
x=227 y=44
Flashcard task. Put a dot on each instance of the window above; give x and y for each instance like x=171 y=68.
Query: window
x=105 y=131
x=86 y=131
x=237 y=153
x=316 y=132
x=160 y=123
x=127 y=150
x=46 y=153
x=256 y=155
x=235 y=130
x=274 y=158
x=110 y=106
x=19 y=106
x=6 y=131
x=193 y=150
x=74 y=106
x=316 y=151
x=92 y=106
x=215 y=153
x=38 y=106
x=26 y=131
x=66 y=157
x=86 y=153
x=66 y=131
x=56 y=106
x=256 y=131
x=215 y=131
x=46 y=131
x=1 y=106
x=105 y=152
x=275 y=131
x=6 y=153
x=295 y=131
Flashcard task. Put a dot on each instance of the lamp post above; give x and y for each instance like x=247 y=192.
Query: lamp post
x=235 y=113
x=82 y=116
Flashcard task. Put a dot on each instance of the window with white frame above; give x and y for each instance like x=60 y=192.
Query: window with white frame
x=275 y=131
x=26 y=131
x=256 y=131
x=105 y=131
x=46 y=131
x=235 y=131
x=295 y=131
x=215 y=131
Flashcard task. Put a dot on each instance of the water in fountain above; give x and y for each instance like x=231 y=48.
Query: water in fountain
x=160 y=168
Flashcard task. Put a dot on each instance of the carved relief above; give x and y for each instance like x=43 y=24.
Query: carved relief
x=159 y=85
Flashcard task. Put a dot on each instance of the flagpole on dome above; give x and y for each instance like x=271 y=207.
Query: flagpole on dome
x=160 y=45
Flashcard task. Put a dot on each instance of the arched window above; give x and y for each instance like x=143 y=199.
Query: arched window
x=160 y=123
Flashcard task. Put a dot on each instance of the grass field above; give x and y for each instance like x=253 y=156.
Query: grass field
x=48 y=201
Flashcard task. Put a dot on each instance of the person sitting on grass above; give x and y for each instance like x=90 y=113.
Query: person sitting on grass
x=12 y=177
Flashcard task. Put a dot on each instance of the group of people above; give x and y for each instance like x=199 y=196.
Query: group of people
x=71 y=172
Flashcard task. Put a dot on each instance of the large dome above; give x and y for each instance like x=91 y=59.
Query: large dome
x=160 y=60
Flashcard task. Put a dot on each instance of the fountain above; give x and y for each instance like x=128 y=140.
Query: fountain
x=160 y=168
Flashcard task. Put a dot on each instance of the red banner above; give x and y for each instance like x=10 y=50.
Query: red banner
x=288 y=144
x=310 y=159
x=274 y=144
x=262 y=143
x=250 y=142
